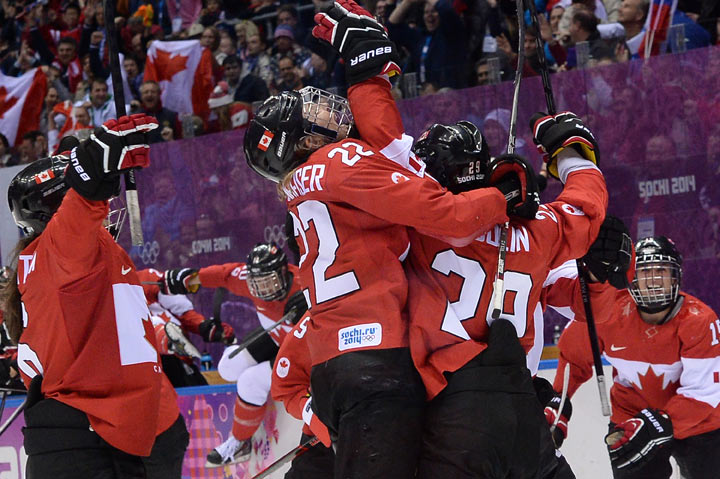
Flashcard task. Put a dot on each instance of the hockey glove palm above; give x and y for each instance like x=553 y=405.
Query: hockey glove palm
x=515 y=178
x=639 y=438
x=116 y=146
x=609 y=257
x=179 y=281
x=557 y=418
x=316 y=425
x=552 y=134
x=360 y=40
x=211 y=333
x=299 y=304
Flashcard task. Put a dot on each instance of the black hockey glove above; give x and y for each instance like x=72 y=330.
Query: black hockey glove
x=639 y=438
x=299 y=304
x=552 y=411
x=177 y=281
x=515 y=178
x=609 y=257
x=117 y=145
x=211 y=333
x=552 y=134
x=360 y=40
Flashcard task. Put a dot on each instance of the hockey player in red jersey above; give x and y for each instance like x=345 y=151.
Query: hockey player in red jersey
x=97 y=396
x=272 y=285
x=353 y=202
x=664 y=347
x=483 y=408
x=291 y=385
x=173 y=317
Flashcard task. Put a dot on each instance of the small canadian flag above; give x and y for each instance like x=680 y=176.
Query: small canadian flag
x=264 y=142
x=44 y=176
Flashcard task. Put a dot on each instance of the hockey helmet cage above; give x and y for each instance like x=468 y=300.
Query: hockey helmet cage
x=268 y=278
x=283 y=120
x=35 y=193
x=456 y=155
x=658 y=274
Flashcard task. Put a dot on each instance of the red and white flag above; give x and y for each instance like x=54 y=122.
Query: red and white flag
x=184 y=71
x=657 y=25
x=21 y=102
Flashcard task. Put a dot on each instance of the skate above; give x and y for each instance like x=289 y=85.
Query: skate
x=229 y=452
x=179 y=344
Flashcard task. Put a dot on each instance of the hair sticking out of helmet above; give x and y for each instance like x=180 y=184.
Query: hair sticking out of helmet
x=268 y=278
x=7 y=274
x=116 y=216
x=273 y=138
x=456 y=155
x=658 y=274
x=35 y=194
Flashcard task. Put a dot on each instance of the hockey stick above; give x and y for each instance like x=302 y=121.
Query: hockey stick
x=298 y=451
x=218 y=299
x=563 y=398
x=131 y=195
x=12 y=417
x=499 y=284
x=587 y=306
x=258 y=334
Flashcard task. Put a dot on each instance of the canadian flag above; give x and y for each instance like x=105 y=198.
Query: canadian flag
x=264 y=142
x=21 y=102
x=44 y=176
x=184 y=71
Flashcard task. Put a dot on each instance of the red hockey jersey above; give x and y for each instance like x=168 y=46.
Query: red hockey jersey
x=352 y=204
x=291 y=372
x=674 y=366
x=87 y=329
x=170 y=307
x=451 y=288
x=233 y=277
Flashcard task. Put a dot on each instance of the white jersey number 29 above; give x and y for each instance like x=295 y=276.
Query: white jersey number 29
x=316 y=212
x=474 y=276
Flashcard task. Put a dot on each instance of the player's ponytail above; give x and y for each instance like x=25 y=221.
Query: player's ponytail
x=11 y=307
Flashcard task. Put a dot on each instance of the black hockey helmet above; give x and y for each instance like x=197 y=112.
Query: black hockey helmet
x=268 y=278
x=456 y=155
x=658 y=274
x=283 y=120
x=35 y=194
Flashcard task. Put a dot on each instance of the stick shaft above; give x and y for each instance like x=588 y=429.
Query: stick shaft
x=131 y=197
x=298 y=451
x=258 y=334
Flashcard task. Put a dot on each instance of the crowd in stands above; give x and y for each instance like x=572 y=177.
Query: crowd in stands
x=262 y=47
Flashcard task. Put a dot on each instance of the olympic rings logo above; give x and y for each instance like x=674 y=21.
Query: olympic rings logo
x=275 y=233
x=150 y=252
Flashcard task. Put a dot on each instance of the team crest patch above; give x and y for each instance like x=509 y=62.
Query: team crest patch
x=360 y=336
x=44 y=176
x=264 y=142
x=282 y=368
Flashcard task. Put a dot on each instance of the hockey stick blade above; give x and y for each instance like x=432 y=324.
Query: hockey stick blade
x=254 y=337
x=298 y=451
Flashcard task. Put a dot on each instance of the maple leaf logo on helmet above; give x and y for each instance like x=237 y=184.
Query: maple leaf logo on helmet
x=265 y=140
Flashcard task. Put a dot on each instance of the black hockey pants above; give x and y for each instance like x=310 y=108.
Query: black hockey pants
x=372 y=401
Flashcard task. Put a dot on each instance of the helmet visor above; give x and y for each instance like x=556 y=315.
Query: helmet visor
x=656 y=285
x=328 y=115
x=268 y=286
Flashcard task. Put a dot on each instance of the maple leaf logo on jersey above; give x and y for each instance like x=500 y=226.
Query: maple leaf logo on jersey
x=167 y=66
x=659 y=387
x=283 y=366
x=5 y=102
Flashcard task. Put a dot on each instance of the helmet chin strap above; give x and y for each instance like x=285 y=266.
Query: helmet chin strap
x=672 y=312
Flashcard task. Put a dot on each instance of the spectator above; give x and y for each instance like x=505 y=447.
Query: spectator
x=227 y=47
x=33 y=146
x=555 y=15
x=24 y=62
x=287 y=14
x=244 y=30
x=249 y=89
x=210 y=38
x=102 y=107
x=318 y=71
x=482 y=73
x=583 y=28
x=284 y=46
x=152 y=105
x=184 y=13
x=632 y=16
x=134 y=75
x=127 y=33
x=532 y=59
x=51 y=99
x=6 y=157
x=225 y=114
x=211 y=14
x=659 y=148
x=256 y=61
x=438 y=51
x=572 y=7
x=289 y=77
x=68 y=64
